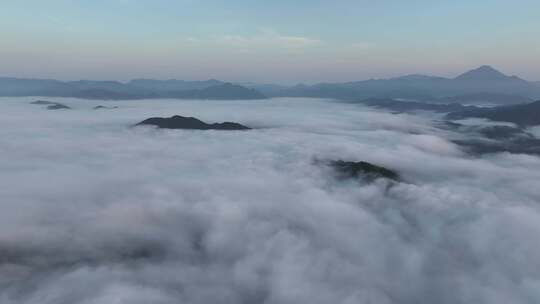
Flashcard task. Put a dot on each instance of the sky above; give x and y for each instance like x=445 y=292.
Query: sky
x=278 y=41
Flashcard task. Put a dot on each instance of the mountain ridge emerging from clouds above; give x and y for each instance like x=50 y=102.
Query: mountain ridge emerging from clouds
x=523 y=115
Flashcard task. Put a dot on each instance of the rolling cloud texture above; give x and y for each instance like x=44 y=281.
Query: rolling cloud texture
x=95 y=211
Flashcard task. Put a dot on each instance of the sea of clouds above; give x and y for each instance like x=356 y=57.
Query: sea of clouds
x=95 y=211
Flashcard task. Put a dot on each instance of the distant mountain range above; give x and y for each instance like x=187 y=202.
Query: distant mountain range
x=135 y=89
x=482 y=85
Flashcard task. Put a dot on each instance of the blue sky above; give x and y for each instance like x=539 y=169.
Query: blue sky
x=266 y=41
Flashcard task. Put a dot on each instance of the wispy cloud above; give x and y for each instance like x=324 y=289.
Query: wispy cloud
x=264 y=39
x=269 y=38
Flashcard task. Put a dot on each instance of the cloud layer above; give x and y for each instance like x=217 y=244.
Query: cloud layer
x=94 y=211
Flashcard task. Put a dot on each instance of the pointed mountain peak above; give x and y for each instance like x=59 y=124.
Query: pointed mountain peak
x=487 y=69
x=484 y=72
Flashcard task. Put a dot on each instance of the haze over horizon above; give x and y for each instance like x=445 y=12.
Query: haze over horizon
x=300 y=42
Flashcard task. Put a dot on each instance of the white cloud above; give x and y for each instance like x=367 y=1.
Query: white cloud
x=96 y=212
x=265 y=39
x=268 y=39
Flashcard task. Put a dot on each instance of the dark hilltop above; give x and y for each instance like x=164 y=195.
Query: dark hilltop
x=191 y=123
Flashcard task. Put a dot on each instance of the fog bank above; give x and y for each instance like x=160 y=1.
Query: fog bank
x=95 y=211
